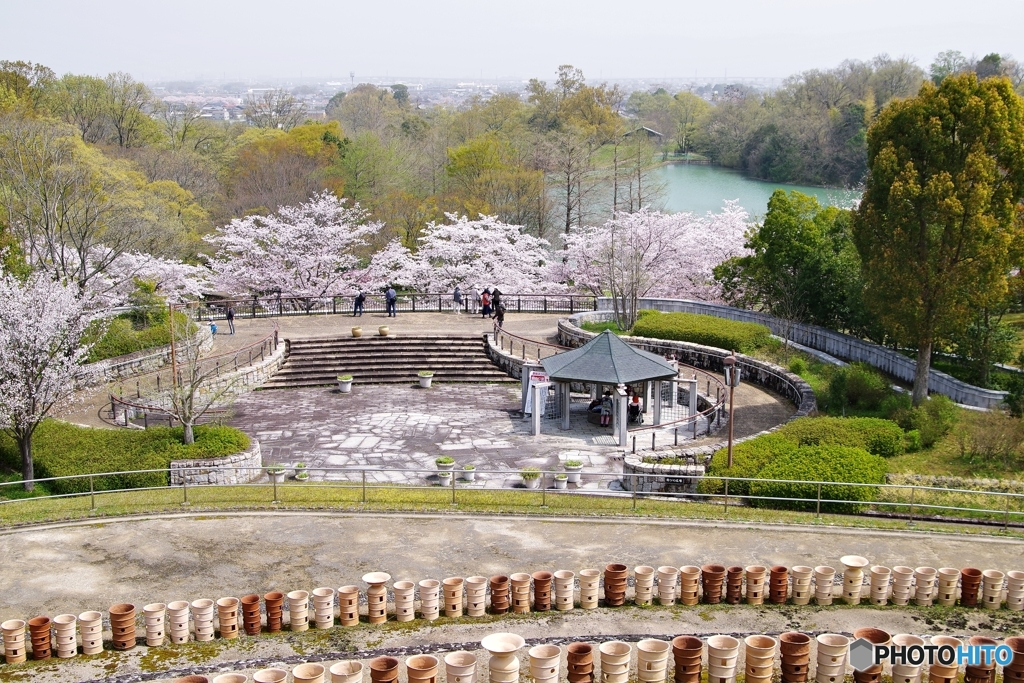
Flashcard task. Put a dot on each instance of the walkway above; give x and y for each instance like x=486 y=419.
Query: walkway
x=80 y=566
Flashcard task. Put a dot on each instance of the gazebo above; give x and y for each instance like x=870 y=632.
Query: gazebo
x=607 y=360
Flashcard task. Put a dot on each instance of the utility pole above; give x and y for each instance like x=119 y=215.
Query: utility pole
x=174 y=364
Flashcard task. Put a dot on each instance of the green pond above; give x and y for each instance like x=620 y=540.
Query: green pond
x=699 y=188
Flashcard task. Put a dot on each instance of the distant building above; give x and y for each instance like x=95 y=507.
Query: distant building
x=650 y=132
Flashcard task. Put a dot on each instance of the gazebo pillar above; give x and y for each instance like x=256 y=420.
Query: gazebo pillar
x=620 y=414
x=566 y=391
x=657 y=402
x=647 y=393
x=540 y=389
x=692 y=387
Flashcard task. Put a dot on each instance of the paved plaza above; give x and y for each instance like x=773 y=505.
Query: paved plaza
x=404 y=428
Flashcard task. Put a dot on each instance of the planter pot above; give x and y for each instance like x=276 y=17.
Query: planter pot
x=460 y=667
x=469 y=475
x=270 y=676
x=425 y=381
x=532 y=483
x=276 y=476
x=573 y=474
x=309 y=673
x=445 y=478
x=383 y=669
x=382 y=330
x=230 y=678
x=345 y=386
x=445 y=466
x=347 y=671
x=357 y=332
x=561 y=482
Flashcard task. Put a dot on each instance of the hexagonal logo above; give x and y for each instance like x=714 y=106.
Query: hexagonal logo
x=862 y=654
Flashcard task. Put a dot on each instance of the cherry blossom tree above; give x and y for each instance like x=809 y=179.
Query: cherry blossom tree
x=649 y=253
x=175 y=281
x=484 y=252
x=309 y=250
x=41 y=351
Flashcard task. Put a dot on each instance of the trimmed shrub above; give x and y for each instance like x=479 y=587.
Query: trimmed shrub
x=61 y=449
x=797 y=366
x=704 y=329
x=912 y=441
x=825 y=464
x=748 y=458
x=122 y=337
x=877 y=436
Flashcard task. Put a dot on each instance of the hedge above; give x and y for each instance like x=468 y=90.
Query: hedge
x=875 y=435
x=703 y=329
x=121 y=336
x=748 y=458
x=821 y=463
x=60 y=449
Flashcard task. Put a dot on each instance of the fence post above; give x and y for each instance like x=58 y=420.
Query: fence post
x=676 y=441
x=911 y=522
x=636 y=481
x=654 y=435
x=364 y=486
x=453 y=489
x=634 y=444
x=274 y=479
x=92 y=494
x=184 y=487
x=1006 y=519
x=726 y=506
x=817 y=510
x=543 y=490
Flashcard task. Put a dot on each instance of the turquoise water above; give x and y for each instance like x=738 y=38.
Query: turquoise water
x=705 y=188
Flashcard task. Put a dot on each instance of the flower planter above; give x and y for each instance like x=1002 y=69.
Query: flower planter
x=251 y=614
x=64 y=632
x=347 y=671
x=452 y=587
x=503 y=664
x=476 y=596
x=520 y=592
x=383 y=330
x=376 y=597
x=345 y=386
x=589 y=581
x=615 y=579
x=122 y=626
x=561 y=481
x=469 y=475
x=425 y=381
x=357 y=332
x=14 y=640
x=298 y=611
x=230 y=678
x=422 y=668
x=500 y=590
x=460 y=667
x=227 y=618
x=573 y=473
x=274 y=602
x=348 y=605
x=565 y=587
x=544 y=660
x=430 y=598
x=532 y=482
x=271 y=675
x=310 y=672
x=542 y=591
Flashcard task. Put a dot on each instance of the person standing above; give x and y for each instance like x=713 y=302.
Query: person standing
x=359 y=301
x=231 y=319
x=476 y=302
x=457 y=301
x=391 y=298
x=499 y=315
x=485 y=303
x=495 y=301
x=606 y=408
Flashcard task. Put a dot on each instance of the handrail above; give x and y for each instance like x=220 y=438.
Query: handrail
x=357 y=474
x=409 y=302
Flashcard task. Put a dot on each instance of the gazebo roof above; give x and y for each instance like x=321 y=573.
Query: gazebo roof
x=606 y=359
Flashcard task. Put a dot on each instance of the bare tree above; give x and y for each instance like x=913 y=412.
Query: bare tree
x=274 y=109
x=126 y=102
x=182 y=123
x=570 y=163
x=197 y=386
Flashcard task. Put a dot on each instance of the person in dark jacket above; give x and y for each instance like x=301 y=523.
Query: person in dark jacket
x=357 y=308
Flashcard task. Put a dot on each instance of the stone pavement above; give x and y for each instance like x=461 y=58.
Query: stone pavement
x=401 y=427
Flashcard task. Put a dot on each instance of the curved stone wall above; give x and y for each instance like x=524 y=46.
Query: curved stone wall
x=835 y=344
x=230 y=469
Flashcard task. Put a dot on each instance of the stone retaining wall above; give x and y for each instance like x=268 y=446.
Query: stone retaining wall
x=248 y=378
x=684 y=478
x=835 y=344
x=224 y=470
x=128 y=365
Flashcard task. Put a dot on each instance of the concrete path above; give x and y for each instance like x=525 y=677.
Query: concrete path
x=80 y=566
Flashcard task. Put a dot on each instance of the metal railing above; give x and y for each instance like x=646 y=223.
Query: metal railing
x=138 y=395
x=519 y=347
x=408 y=302
x=358 y=485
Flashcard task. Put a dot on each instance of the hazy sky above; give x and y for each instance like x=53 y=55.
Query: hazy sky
x=209 y=39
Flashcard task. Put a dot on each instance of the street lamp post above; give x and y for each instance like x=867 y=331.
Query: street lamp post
x=732 y=380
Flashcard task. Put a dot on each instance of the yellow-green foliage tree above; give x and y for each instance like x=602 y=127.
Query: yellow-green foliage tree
x=941 y=224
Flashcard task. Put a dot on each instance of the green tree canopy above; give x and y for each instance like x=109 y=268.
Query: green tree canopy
x=941 y=224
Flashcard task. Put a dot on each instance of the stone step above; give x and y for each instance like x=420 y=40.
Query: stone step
x=386 y=360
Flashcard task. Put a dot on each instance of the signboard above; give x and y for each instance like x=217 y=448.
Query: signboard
x=536 y=377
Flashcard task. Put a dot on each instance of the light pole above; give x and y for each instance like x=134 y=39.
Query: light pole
x=732 y=380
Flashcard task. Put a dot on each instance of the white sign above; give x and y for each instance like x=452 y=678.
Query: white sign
x=536 y=377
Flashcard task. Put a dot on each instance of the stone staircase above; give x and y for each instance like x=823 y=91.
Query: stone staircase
x=386 y=360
